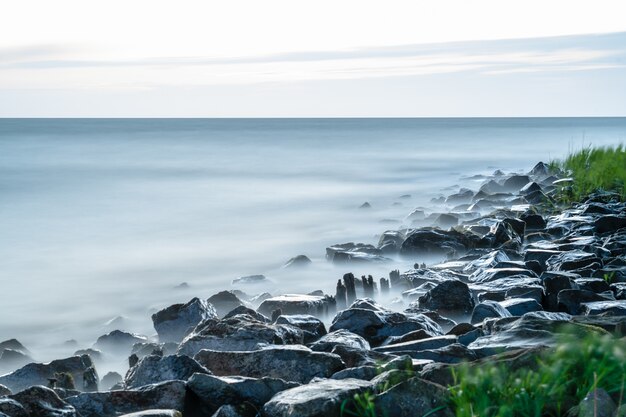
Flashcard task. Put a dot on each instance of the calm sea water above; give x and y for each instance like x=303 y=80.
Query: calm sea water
x=102 y=218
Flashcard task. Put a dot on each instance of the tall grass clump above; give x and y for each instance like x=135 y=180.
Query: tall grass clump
x=593 y=169
x=560 y=380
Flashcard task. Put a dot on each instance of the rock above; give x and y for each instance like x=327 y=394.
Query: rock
x=12 y=408
x=451 y=296
x=414 y=397
x=155 y=413
x=214 y=391
x=489 y=260
x=240 y=332
x=609 y=223
x=43 y=402
x=376 y=323
x=570 y=301
x=224 y=302
x=540 y=170
x=176 y=321
x=4 y=391
x=571 y=260
x=453 y=353
x=608 y=308
x=298 y=262
x=598 y=403
x=312 y=327
x=493 y=274
x=418 y=345
x=154 y=369
x=250 y=279
x=291 y=363
x=446 y=221
x=168 y=395
x=296 y=304
x=109 y=380
x=426 y=241
x=118 y=342
x=340 y=337
x=39 y=373
x=488 y=309
x=554 y=283
x=534 y=222
x=247 y=311
x=12 y=359
x=318 y=399
x=521 y=306
x=355 y=253
x=14 y=344
x=366 y=373
x=515 y=183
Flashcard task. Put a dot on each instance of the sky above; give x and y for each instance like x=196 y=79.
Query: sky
x=341 y=58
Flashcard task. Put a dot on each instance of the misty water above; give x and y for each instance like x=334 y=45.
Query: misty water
x=103 y=219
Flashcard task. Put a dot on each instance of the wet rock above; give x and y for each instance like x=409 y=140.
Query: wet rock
x=340 y=337
x=291 y=363
x=354 y=252
x=570 y=301
x=14 y=344
x=493 y=274
x=533 y=221
x=419 y=345
x=391 y=241
x=40 y=373
x=311 y=326
x=176 y=321
x=593 y=284
x=155 y=413
x=515 y=183
x=366 y=373
x=43 y=402
x=375 y=323
x=608 y=308
x=414 y=397
x=292 y=304
x=250 y=279
x=571 y=260
x=318 y=399
x=437 y=242
x=214 y=391
x=539 y=255
x=357 y=357
x=446 y=221
x=609 y=223
x=224 y=302
x=233 y=411
x=4 y=391
x=451 y=296
x=12 y=408
x=119 y=342
x=248 y=312
x=240 y=332
x=154 y=369
x=166 y=395
x=299 y=261
x=521 y=306
x=11 y=359
x=488 y=309
x=109 y=380
x=489 y=260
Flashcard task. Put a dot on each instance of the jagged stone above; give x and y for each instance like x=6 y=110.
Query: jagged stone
x=177 y=321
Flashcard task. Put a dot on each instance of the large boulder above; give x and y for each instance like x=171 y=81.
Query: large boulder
x=12 y=408
x=312 y=327
x=414 y=397
x=427 y=241
x=119 y=342
x=43 y=402
x=297 y=304
x=340 y=337
x=176 y=321
x=488 y=309
x=214 y=391
x=318 y=399
x=80 y=367
x=153 y=369
x=291 y=363
x=224 y=302
x=451 y=296
x=375 y=323
x=237 y=333
x=572 y=260
x=165 y=395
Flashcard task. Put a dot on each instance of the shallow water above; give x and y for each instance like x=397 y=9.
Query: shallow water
x=104 y=217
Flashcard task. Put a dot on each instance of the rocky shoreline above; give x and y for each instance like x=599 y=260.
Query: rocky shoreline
x=518 y=267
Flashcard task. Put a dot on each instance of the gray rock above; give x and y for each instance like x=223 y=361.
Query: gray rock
x=417 y=345
x=365 y=373
x=12 y=408
x=311 y=326
x=375 y=324
x=237 y=333
x=521 y=306
x=4 y=391
x=488 y=309
x=426 y=241
x=118 y=342
x=453 y=353
x=250 y=279
x=176 y=321
x=318 y=399
x=216 y=391
x=340 y=337
x=608 y=308
x=291 y=363
x=493 y=274
x=154 y=369
x=571 y=260
x=43 y=402
x=296 y=304
x=155 y=413
x=553 y=284
x=109 y=380
x=515 y=183
x=451 y=296
x=299 y=261
x=414 y=397
x=168 y=395
x=224 y=302
x=597 y=403
x=610 y=223
x=39 y=373
x=230 y=411
x=570 y=301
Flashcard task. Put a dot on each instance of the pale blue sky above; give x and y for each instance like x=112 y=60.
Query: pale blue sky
x=419 y=58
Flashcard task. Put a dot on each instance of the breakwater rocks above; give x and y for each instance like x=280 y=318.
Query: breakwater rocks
x=513 y=268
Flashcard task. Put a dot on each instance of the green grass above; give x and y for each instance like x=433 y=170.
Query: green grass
x=561 y=379
x=593 y=169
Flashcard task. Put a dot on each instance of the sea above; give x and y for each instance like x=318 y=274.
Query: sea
x=105 y=221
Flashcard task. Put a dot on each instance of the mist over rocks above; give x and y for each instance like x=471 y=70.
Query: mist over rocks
x=496 y=275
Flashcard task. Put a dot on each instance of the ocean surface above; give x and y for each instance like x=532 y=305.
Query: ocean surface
x=102 y=219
